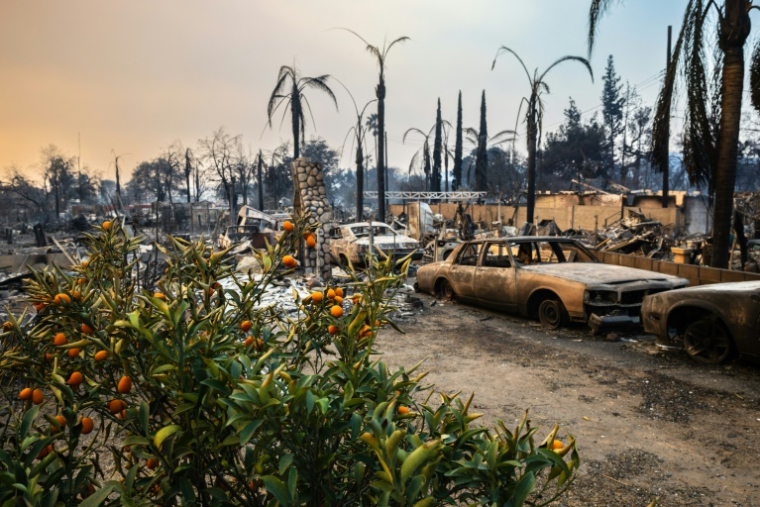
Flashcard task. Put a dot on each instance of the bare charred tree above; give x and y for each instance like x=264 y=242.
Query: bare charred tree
x=289 y=93
x=535 y=114
x=188 y=172
x=260 y=180
x=381 y=54
x=219 y=152
x=458 y=148
x=710 y=147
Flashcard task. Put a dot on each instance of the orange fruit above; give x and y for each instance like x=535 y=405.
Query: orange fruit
x=7 y=326
x=76 y=295
x=338 y=291
x=87 y=425
x=60 y=339
x=403 y=410
x=259 y=343
x=87 y=329
x=332 y=329
x=365 y=331
x=81 y=281
x=356 y=298
x=289 y=261
x=248 y=341
x=73 y=352
x=336 y=311
x=49 y=357
x=37 y=397
x=84 y=264
x=75 y=379
x=377 y=323
x=288 y=226
x=61 y=421
x=152 y=463
x=331 y=294
x=338 y=300
x=44 y=452
x=311 y=241
x=557 y=444
x=101 y=355
x=39 y=306
x=159 y=295
x=122 y=415
x=116 y=406
x=125 y=385
x=317 y=297
x=61 y=299
x=106 y=225
x=246 y=326
x=25 y=394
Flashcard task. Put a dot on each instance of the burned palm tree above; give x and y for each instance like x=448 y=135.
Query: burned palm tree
x=711 y=133
x=481 y=143
x=359 y=131
x=535 y=114
x=381 y=54
x=423 y=158
x=289 y=93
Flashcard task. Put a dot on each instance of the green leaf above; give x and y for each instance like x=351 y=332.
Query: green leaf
x=523 y=489
x=285 y=461
x=425 y=502
x=277 y=488
x=27 y=421
x=144 y=416
x=98 y=497
x=165 y=433
x=247 y=433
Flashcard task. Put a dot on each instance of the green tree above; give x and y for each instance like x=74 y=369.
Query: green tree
x=710 y=147
x=458 y=148
x=381 y=54
x=613 y=103
x=535 y=114
x=289 y=80
x=437 y=149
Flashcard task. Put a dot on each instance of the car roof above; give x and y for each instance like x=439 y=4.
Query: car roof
x=524 y=239
x=364 y=224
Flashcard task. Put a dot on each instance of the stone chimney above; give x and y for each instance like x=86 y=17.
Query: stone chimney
x=310 y=199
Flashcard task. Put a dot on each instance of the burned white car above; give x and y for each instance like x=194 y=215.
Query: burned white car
x=554 y=280
x=351 y=242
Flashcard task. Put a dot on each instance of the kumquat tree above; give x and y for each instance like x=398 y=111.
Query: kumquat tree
x=194 y=393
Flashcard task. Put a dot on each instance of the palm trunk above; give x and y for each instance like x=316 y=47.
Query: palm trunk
x=380 y=94
x=728 y=144
x=532 y=140
x=261 y=185
x=359 y=181
x=295 y=110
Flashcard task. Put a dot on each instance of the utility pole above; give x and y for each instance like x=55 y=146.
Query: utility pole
x=385 y=139
x=665 y=162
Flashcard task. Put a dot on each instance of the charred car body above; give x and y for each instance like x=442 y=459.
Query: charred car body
x=555 y=280
x=710 y=322
x=351 y=242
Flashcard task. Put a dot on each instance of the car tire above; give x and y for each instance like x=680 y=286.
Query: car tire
x=446 y=291
x=552 y=313
x=708 y=341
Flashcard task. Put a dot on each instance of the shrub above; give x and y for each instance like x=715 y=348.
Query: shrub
x=191 y=406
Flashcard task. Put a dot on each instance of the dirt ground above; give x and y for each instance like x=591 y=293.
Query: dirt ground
x=658 y=425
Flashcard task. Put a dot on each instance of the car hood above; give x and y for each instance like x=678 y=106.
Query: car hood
x=592 y=273
x=390 y=242
x=734 y=287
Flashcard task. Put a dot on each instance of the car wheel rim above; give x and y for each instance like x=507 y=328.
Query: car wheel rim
x=550 y=314
x=448 y=291
x=707 y=342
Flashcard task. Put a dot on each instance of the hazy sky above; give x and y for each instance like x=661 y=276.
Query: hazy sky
x=135 y=76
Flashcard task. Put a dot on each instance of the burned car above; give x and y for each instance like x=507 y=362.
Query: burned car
x=710 y=322
x=351 y=242
x=555 y=280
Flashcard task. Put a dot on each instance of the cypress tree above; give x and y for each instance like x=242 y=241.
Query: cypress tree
x=481 y=161
x=435 y=184
x=458 y=148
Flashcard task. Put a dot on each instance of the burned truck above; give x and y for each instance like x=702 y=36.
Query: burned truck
x=554 y=280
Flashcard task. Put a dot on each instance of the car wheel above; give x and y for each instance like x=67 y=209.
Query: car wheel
x=552 y=313
x=446 y=291
x=707 y=341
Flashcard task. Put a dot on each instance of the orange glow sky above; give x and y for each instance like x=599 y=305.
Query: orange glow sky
x=135 y=76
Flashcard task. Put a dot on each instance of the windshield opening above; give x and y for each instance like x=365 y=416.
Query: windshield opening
x=361 y=231
x=549 y=252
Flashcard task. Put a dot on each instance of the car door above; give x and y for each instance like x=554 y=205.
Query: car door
x=495 y=277
x=462 y=271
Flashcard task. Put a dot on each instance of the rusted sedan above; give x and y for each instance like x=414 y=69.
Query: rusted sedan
x=352 y=242
x=555 y=280
x=709 y=322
